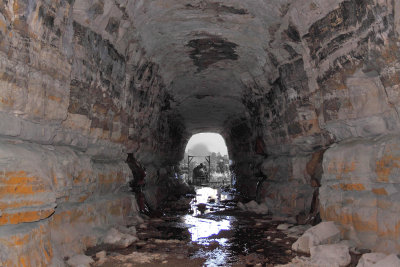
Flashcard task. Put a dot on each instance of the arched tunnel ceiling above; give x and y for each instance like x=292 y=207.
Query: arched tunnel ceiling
x=209 y=53
x=207 y=50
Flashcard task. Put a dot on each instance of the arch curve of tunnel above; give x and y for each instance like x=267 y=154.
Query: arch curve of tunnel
x=305 y=94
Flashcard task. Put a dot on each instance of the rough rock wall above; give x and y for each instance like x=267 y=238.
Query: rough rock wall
x=336 y=82
x=285 y=132
x=127 y=101
x=359 y=107
x=72 y=104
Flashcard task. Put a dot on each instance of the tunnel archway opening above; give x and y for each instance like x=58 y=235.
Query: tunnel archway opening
x=206 y=160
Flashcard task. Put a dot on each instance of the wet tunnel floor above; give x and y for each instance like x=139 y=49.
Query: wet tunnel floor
x=221 y=236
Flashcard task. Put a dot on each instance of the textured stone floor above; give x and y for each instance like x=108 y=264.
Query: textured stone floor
x=224 y=237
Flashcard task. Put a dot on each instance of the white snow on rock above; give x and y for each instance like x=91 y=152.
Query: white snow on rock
x=321 y=234
x=80 y=261
x=369 y=259
x=116 y=238
x=253 y=206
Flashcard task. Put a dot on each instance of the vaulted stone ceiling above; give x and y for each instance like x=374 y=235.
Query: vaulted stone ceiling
x=210 y=52
x=207 y=51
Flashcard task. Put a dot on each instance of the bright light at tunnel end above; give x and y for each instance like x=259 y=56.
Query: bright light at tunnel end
x=213 y=141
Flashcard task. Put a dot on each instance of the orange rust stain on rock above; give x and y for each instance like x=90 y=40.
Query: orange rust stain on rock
x=31 y=249
x=368 y=225
x=18 y=204
x=333 y=213
x=18 y=241
x=19 y=180
x=21 y=183
x=55 y=98
x=83 y=198
x=22 y=260
x=352 y=187
x=20 y=190
x=48 y=250
x=346 y=218
x=361 y=225
x=27 y=216
x=379 y=191
x=385 y=166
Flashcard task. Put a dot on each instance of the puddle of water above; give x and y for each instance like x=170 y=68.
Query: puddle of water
x=201 y=229
x=204 y=194
x=212 y=199
x=223 y=238
x=216 y=257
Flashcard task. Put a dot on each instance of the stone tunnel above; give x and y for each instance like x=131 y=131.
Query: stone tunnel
x=306 y=94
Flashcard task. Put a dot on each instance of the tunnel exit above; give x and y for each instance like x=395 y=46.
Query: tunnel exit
x=206 y=161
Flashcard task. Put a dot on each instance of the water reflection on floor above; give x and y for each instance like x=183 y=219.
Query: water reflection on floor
x=212 y=199
x=215 y=200
x=219 y=236
x=203 y=230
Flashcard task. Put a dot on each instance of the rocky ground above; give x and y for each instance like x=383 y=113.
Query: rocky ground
x=217 y=233
x=251 y=240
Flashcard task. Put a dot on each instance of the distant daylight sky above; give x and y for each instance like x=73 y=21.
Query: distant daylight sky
x=214 y=143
